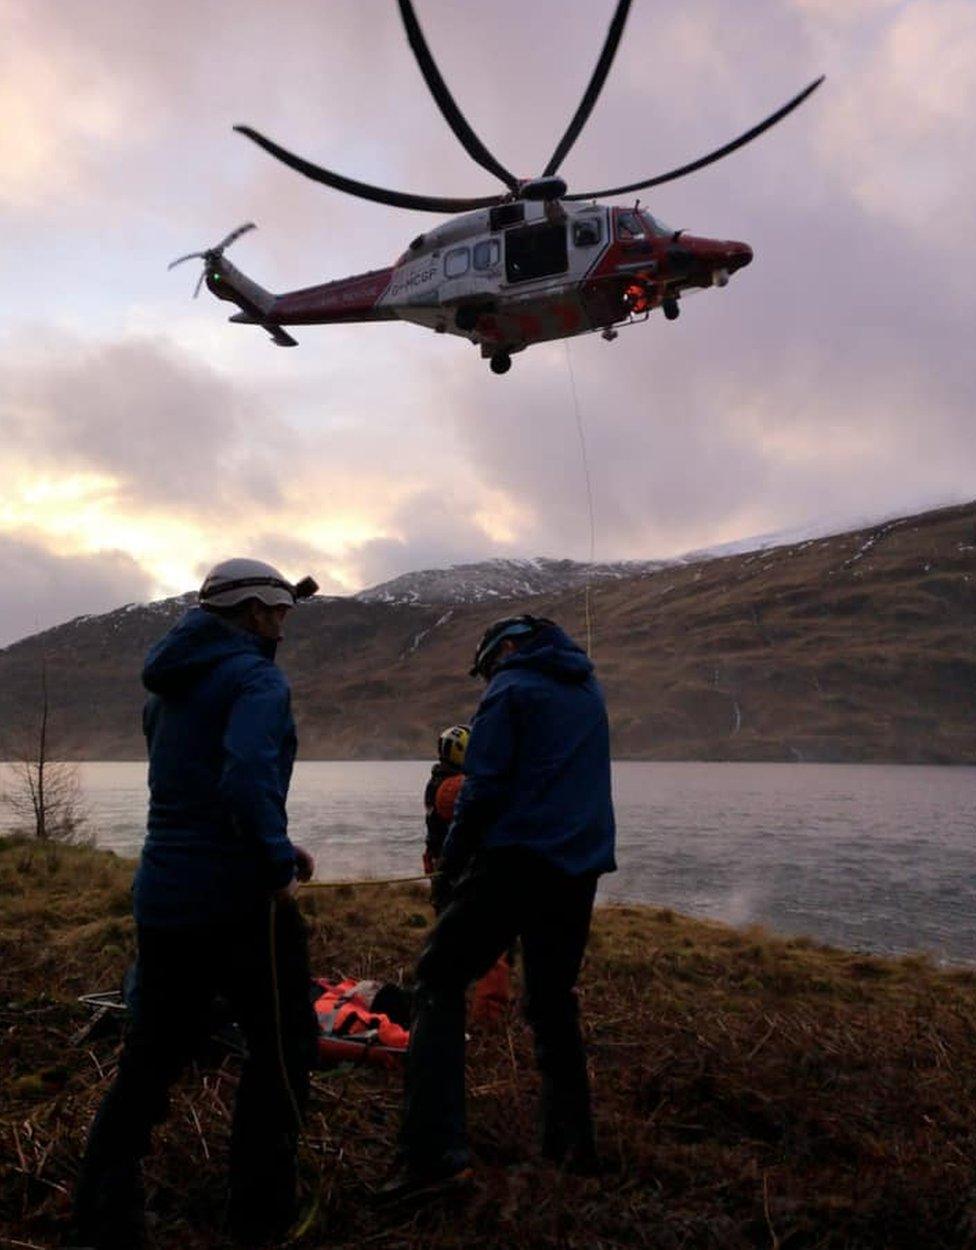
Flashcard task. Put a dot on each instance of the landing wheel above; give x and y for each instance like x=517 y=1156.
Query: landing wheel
x=671 y=309
x=501 y=362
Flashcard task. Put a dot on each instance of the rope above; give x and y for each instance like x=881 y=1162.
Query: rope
x=335 y=885
x=276 y=1005
x=589 y=499
x=305 y=1220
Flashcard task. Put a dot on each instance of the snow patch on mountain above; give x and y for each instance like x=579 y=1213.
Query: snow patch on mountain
x=500 y=579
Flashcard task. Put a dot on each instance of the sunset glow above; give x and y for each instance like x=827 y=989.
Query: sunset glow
x=143 y=437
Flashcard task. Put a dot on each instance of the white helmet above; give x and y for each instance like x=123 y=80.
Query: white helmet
x=233 y=581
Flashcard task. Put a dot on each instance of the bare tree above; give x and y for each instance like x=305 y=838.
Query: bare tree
x=43 y=796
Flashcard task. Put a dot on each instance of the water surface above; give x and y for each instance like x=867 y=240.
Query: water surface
x=879 y=858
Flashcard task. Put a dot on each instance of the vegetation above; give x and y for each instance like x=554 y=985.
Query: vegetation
x=750 y=1091
x=42 y=796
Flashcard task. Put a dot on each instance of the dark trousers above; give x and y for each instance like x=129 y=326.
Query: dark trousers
x=179 y=973
x=507 y=894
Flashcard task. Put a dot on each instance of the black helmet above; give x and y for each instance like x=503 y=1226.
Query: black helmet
x=495 y=635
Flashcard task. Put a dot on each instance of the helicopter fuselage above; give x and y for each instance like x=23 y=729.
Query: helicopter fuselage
x=506 y=277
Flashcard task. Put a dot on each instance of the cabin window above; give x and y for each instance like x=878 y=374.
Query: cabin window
x=457 y=262
x=586 y=231
x=629 y=225
x=535 y=251
x=506 y=215
x=487 y=254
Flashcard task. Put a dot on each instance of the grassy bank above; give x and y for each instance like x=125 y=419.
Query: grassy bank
x=749 y=1091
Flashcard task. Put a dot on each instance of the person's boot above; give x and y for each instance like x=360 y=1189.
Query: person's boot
x=263 y=1202
x=409 y=1183
x=109 y=1209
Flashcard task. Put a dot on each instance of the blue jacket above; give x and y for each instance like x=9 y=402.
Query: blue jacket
x=537 y=767
x=221 y=748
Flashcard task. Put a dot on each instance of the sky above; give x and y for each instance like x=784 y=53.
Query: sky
x=143 y=438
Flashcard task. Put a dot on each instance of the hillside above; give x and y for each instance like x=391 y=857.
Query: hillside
x=749 y=1092
x=856 y=647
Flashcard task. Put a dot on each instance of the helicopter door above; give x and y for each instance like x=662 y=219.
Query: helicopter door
x=535 y=251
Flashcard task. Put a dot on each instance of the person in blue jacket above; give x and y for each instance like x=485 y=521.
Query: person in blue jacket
x=533 y=829
x=214 y=909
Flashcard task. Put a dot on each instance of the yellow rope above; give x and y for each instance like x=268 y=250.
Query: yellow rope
x=304 y=1221
x=335 y=885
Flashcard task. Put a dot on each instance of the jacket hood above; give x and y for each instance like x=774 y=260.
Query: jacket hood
x=551 y=651
x=194 y=646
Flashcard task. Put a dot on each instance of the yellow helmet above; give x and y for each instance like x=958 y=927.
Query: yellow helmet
x=452 y=744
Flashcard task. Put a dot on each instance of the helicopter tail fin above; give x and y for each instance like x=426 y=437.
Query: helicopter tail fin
x=256 y=304
x=281 y=338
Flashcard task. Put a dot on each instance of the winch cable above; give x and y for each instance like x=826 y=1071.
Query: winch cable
x=587 y=481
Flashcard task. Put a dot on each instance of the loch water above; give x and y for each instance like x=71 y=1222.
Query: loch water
x=877 y=858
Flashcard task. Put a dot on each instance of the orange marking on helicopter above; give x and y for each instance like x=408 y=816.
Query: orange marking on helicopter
x=636 y=297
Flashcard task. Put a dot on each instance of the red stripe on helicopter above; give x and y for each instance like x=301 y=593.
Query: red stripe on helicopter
x=348 y=299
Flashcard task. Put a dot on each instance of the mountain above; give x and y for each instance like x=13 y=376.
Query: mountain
x=501 y=579
x=852 y=647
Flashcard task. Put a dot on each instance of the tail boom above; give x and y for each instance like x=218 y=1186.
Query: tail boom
x=345 y=300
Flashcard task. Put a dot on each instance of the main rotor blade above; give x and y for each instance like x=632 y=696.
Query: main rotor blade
x=398 y=199
x=599 y=77
x=749 y=135
x=446 y=103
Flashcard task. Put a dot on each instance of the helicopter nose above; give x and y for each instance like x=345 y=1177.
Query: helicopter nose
x=739 y=255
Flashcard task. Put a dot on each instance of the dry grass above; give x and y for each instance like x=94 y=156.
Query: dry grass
x=750 y=1091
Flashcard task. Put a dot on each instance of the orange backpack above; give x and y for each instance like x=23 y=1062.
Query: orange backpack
x=446 y=797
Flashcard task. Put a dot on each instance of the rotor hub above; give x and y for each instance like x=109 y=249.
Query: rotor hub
x=546 y=188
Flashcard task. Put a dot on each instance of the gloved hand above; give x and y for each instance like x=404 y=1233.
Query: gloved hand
x=304 y=864
x=444 y=884
x=287 y=892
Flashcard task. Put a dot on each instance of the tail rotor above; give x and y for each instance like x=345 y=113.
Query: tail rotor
x=213 y=255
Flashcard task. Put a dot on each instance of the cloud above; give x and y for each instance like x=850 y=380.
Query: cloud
x=895 y=129
x=431 y=529
x=39 y=587
x=831 y=376
x=169 y=429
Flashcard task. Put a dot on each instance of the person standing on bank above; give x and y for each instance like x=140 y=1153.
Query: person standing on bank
x=533 y=829
x=440 y=795
x=492 y=992
x=215 y=910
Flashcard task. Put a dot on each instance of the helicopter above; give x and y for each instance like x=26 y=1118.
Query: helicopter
x=525 y=265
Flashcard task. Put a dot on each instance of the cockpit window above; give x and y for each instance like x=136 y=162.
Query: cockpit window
x=629 y=225
x=655 y=225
